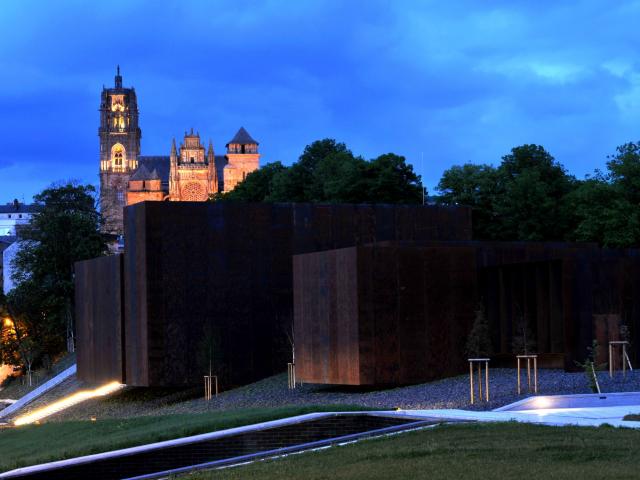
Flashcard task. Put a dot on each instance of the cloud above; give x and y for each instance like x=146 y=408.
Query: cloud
x=448 y=82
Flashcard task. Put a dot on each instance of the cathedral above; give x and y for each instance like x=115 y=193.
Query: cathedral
x=190 y=173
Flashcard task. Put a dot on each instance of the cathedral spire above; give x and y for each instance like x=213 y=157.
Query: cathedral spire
x=210 y=155
x=174 y=151
x=118 y=77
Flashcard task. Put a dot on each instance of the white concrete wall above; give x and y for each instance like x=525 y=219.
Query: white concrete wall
x=8 y=222
x=7 y=259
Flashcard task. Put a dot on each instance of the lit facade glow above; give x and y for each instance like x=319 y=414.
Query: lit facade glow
x=542 y=402
x=67 y=402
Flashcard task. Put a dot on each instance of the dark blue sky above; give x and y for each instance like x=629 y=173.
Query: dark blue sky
x=456 y=82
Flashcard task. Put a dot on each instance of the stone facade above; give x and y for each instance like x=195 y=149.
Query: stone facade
x=189 y=173
x=119 y=150
x=192 y=176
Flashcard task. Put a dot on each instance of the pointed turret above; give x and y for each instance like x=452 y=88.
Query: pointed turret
x=118 y=77
x=242 y=137
x=210 y=154
x=173 y=169
x=212 y=174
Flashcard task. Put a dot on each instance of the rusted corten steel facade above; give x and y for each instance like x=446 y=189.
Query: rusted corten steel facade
x=215 y=280
x=382 y=315
x=99 y=319
x=391 y=314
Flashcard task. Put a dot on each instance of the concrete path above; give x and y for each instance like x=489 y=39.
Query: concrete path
x=592 y=410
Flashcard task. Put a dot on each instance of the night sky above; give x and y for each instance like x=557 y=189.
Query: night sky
x=449 y=82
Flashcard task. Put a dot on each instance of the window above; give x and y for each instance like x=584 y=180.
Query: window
x=118 y=157
x=20 y=216
x=193 y=160
x=9 y=216
x=120 y=197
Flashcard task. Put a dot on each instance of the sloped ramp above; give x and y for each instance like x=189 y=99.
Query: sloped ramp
x=36 y=393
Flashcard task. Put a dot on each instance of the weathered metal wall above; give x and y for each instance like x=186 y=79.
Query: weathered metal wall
x=415 y=306
x=99 y=321
x=326 y=316
x=214 y=280
x=383 y=315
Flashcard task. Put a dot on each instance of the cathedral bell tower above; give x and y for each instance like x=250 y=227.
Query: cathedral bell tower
x=119 y=150
x=242 y=159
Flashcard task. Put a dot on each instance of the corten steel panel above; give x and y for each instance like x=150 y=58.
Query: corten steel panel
x=214 y=280
x=414 y=307
x=326 y=321
x=565 y=291
x=99 y=319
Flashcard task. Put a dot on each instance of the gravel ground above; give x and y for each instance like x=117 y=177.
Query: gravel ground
x=272 y=392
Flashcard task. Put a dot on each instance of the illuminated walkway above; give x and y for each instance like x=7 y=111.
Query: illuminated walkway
x=67 y=402
x=558 y=410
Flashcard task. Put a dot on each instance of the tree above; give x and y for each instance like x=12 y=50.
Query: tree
x=523 y=341
x=531 y=200
x=257 y=186
x=479 y=341
x=474 y=186
x=392 y=180
x=309 y=179
x=64 y=230
x=624 y=171
x=525 y=198
x=603 y=214
x=327 y=171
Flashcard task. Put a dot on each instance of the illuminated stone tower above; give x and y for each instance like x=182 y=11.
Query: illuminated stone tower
x=243 y=158
x=119 y=150
x=192 y=172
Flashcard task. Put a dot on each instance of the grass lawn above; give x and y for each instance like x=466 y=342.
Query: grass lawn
x=33 y=444
x=499 y=451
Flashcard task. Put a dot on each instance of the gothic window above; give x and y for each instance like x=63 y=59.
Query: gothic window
x=118 y=157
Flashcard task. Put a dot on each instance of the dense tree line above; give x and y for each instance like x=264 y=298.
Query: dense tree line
x=530 y=196
x=327 y=171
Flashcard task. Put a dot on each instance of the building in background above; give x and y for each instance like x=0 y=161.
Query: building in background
x=8 y=255
x=5 y=242
x=13 y=215
x=188 y=173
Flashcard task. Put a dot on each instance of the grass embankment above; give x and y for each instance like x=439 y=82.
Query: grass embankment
x=500 y=451
x=33 y=444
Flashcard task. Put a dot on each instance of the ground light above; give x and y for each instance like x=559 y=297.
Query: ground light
x=67 y=402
